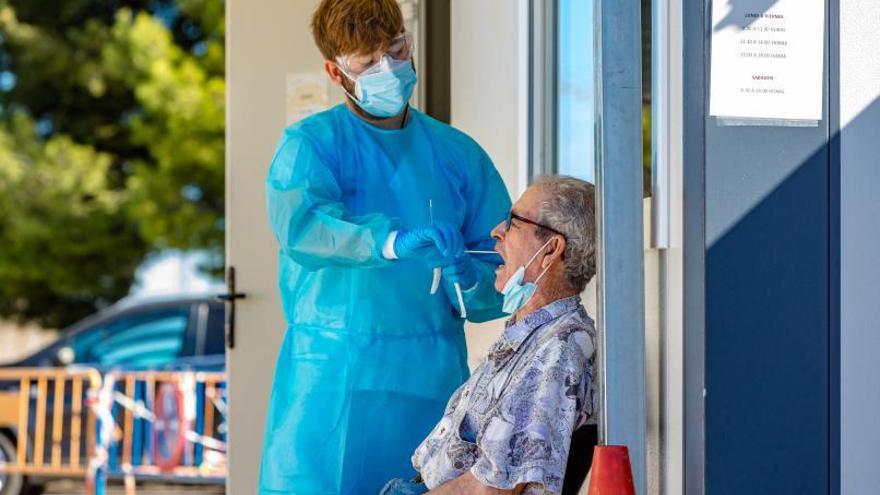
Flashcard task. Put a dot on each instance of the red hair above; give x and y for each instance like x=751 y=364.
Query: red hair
x=343 y=27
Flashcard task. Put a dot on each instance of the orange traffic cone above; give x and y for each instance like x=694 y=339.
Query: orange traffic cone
x=611 y=473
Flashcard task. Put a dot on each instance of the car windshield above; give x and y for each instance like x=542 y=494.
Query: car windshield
x=142 y=339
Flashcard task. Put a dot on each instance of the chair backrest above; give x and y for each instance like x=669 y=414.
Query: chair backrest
x=580 y=458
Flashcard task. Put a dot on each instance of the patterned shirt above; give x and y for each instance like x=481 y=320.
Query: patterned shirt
x=511 y=423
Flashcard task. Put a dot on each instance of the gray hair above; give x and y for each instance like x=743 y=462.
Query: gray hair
x=569 y=206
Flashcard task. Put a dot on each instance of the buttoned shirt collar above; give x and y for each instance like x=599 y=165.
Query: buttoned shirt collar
x=516 y=332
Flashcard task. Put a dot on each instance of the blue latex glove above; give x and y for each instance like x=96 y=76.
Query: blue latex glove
x=462 y=270
x=441 y=241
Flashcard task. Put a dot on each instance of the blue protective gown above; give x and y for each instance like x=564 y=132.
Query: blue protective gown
x=369 y=358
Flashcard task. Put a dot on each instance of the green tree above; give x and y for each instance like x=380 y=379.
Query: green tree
x=133 y=90
x=178 y=189
x=65 y=247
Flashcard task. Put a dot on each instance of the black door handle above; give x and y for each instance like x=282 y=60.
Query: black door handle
x=229 y=298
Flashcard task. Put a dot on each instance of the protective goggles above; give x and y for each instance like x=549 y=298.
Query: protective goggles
x=400 y=48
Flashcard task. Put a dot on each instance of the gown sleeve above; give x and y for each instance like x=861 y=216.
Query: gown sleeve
x=307 y=215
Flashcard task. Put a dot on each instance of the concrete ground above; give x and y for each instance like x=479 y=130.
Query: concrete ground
x=77 y=488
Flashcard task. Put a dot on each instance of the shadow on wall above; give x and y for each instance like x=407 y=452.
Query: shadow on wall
x=739 y=9
x=859 y=311
x=769 y=301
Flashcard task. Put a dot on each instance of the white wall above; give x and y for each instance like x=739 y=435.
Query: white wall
x=21 y=341
x=860 y=243
x=487 y=81
x=266 y=40
x=486 y=102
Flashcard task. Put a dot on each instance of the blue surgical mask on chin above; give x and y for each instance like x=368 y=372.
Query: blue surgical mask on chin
x=516 y=293
x=383 y=90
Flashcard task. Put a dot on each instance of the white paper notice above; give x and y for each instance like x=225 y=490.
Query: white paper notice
x=307 y=94
x=767 y=58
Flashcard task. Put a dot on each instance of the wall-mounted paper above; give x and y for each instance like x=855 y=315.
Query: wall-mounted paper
x=307 y=93
x=767 y=59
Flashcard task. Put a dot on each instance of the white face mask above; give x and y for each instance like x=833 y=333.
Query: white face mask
x=516 y=293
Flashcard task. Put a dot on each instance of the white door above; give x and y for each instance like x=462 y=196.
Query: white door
x=268 y=41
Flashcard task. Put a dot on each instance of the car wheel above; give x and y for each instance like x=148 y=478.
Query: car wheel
x=14 y=484
x=10 y=483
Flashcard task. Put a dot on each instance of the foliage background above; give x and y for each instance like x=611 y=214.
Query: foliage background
x=111 y=146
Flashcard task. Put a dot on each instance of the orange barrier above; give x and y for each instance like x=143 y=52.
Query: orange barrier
x=76 y=423
x=611 y=473
x=49 y=438
x=184 y=411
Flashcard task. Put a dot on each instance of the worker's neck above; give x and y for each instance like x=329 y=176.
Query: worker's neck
x=396 y=122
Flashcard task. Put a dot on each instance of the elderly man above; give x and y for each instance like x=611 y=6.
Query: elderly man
x=508 y=429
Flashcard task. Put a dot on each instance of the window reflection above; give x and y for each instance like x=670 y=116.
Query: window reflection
x=575 y=89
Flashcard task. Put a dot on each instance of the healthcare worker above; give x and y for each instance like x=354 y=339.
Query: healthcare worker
x=365 y=200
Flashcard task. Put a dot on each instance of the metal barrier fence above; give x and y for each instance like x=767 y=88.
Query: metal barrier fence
x=138 y=425
x=45 y=402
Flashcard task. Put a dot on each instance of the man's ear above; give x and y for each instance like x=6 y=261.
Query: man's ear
x=333 y=72
x=557 y=249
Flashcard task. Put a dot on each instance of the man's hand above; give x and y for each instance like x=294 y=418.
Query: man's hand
x=461 y=270
x=467 y=484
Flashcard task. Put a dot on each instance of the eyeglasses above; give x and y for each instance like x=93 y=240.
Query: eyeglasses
x=511 y=216
x=400 y=48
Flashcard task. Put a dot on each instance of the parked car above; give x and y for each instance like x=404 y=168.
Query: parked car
x=168 y=334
